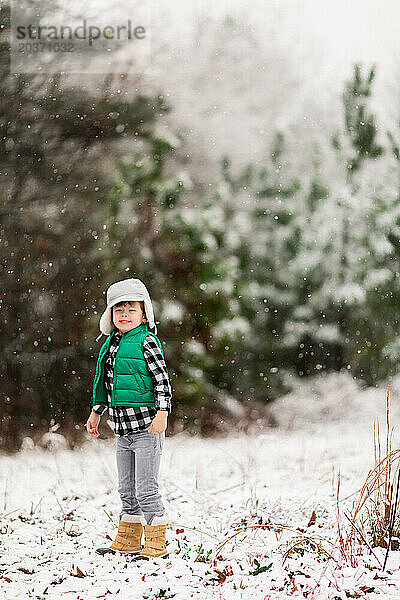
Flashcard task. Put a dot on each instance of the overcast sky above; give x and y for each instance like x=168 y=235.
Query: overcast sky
x=228 y=95
x=338 y=32
x=354 y=30
x=341 y=31
x=366 y=29
x=322 y=38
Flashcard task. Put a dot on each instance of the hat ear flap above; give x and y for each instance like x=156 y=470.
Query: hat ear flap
x=150 y=313
x=106 y=324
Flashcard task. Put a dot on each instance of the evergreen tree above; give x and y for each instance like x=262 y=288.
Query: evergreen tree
x=55 y=148
x=347 y=249
x=265 y=232
x=178 y=245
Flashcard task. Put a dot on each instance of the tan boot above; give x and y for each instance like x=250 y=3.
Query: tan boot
x=154 y=540
x=128 y=538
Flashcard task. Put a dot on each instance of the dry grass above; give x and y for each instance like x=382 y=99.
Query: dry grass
x=374 y=518
x=375 y=515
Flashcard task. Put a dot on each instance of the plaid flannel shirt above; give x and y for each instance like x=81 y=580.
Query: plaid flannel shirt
x=126 y=420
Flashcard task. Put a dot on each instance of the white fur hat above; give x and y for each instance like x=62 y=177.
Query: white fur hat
x=121 y=291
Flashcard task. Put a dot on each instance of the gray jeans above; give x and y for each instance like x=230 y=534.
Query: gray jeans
x=138 y=463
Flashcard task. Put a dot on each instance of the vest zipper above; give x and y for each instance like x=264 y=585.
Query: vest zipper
x=115 y=375
x=99 y=373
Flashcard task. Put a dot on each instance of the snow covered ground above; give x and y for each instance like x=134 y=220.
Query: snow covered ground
x=55 y=509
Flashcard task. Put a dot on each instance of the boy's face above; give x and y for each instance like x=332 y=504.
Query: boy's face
x=127 y=316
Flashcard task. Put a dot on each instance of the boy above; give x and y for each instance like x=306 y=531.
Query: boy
x=132 y=381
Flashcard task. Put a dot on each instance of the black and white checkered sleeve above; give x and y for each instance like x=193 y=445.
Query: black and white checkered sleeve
x=158 y=369
x=99 y=409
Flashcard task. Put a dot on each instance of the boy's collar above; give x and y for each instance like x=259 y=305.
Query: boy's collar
x=132 y=331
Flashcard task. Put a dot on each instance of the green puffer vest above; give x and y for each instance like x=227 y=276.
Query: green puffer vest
x=132 y=385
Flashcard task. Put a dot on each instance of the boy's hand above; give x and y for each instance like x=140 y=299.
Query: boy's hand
x=159 y=423
x=92 y=424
